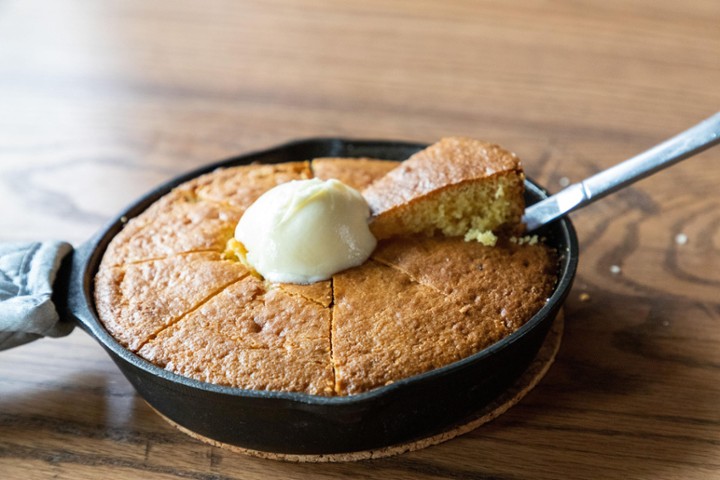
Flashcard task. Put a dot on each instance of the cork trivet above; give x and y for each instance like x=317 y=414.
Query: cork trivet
x=527 y=381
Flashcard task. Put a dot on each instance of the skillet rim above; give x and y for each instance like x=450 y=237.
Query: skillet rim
x=87 y=258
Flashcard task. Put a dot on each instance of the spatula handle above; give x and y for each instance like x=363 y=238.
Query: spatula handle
x=686 y=144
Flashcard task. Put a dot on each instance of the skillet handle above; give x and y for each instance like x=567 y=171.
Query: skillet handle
x=28 y=274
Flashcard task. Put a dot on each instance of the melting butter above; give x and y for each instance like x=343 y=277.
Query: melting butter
x=304 y=231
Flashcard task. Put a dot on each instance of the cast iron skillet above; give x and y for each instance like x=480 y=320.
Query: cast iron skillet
x=296 y=423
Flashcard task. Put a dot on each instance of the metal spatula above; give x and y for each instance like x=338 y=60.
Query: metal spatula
x=688 y=143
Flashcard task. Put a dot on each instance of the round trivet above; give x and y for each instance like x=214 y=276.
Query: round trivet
x=527 y=381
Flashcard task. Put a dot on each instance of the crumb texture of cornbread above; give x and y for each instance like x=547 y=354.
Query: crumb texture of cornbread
x=172 y=289
x=453 y=186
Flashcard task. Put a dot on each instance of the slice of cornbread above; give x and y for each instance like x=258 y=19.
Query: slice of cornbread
x=458 y=187
x=137 y=301
x=490 y=282
x=178 y=223
x=251 y=336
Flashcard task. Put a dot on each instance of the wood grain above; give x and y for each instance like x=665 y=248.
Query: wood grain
x=101 y=101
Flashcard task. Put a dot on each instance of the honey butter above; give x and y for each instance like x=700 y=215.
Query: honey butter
x=304 y=231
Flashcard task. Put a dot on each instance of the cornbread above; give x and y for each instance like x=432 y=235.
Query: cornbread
x=357 y=173
x=171 y=289
x=199 y=215
x=417 y=306
x=138 y=300
x=455 y=186
x=251 y=336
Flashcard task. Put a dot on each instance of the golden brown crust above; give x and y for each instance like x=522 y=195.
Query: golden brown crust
x=199 y=215
x=241 y=186
x=507 y=283
x=387 y=327
x=450 y=161
x=443 y=187
x=137 y=301
x=179 y=223
x=318 y=292
x=357 y=173
x=428 y=301
x=250 y=337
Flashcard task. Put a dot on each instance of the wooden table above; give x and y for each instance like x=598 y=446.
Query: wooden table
x=100 y=101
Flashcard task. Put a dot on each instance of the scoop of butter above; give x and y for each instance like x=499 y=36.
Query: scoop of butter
x=304 y=231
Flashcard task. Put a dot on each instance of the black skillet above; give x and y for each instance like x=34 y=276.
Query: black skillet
x=296 y=423
x=407 y=410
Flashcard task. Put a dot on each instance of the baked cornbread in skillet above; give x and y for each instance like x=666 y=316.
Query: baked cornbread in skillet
x=185 y=302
